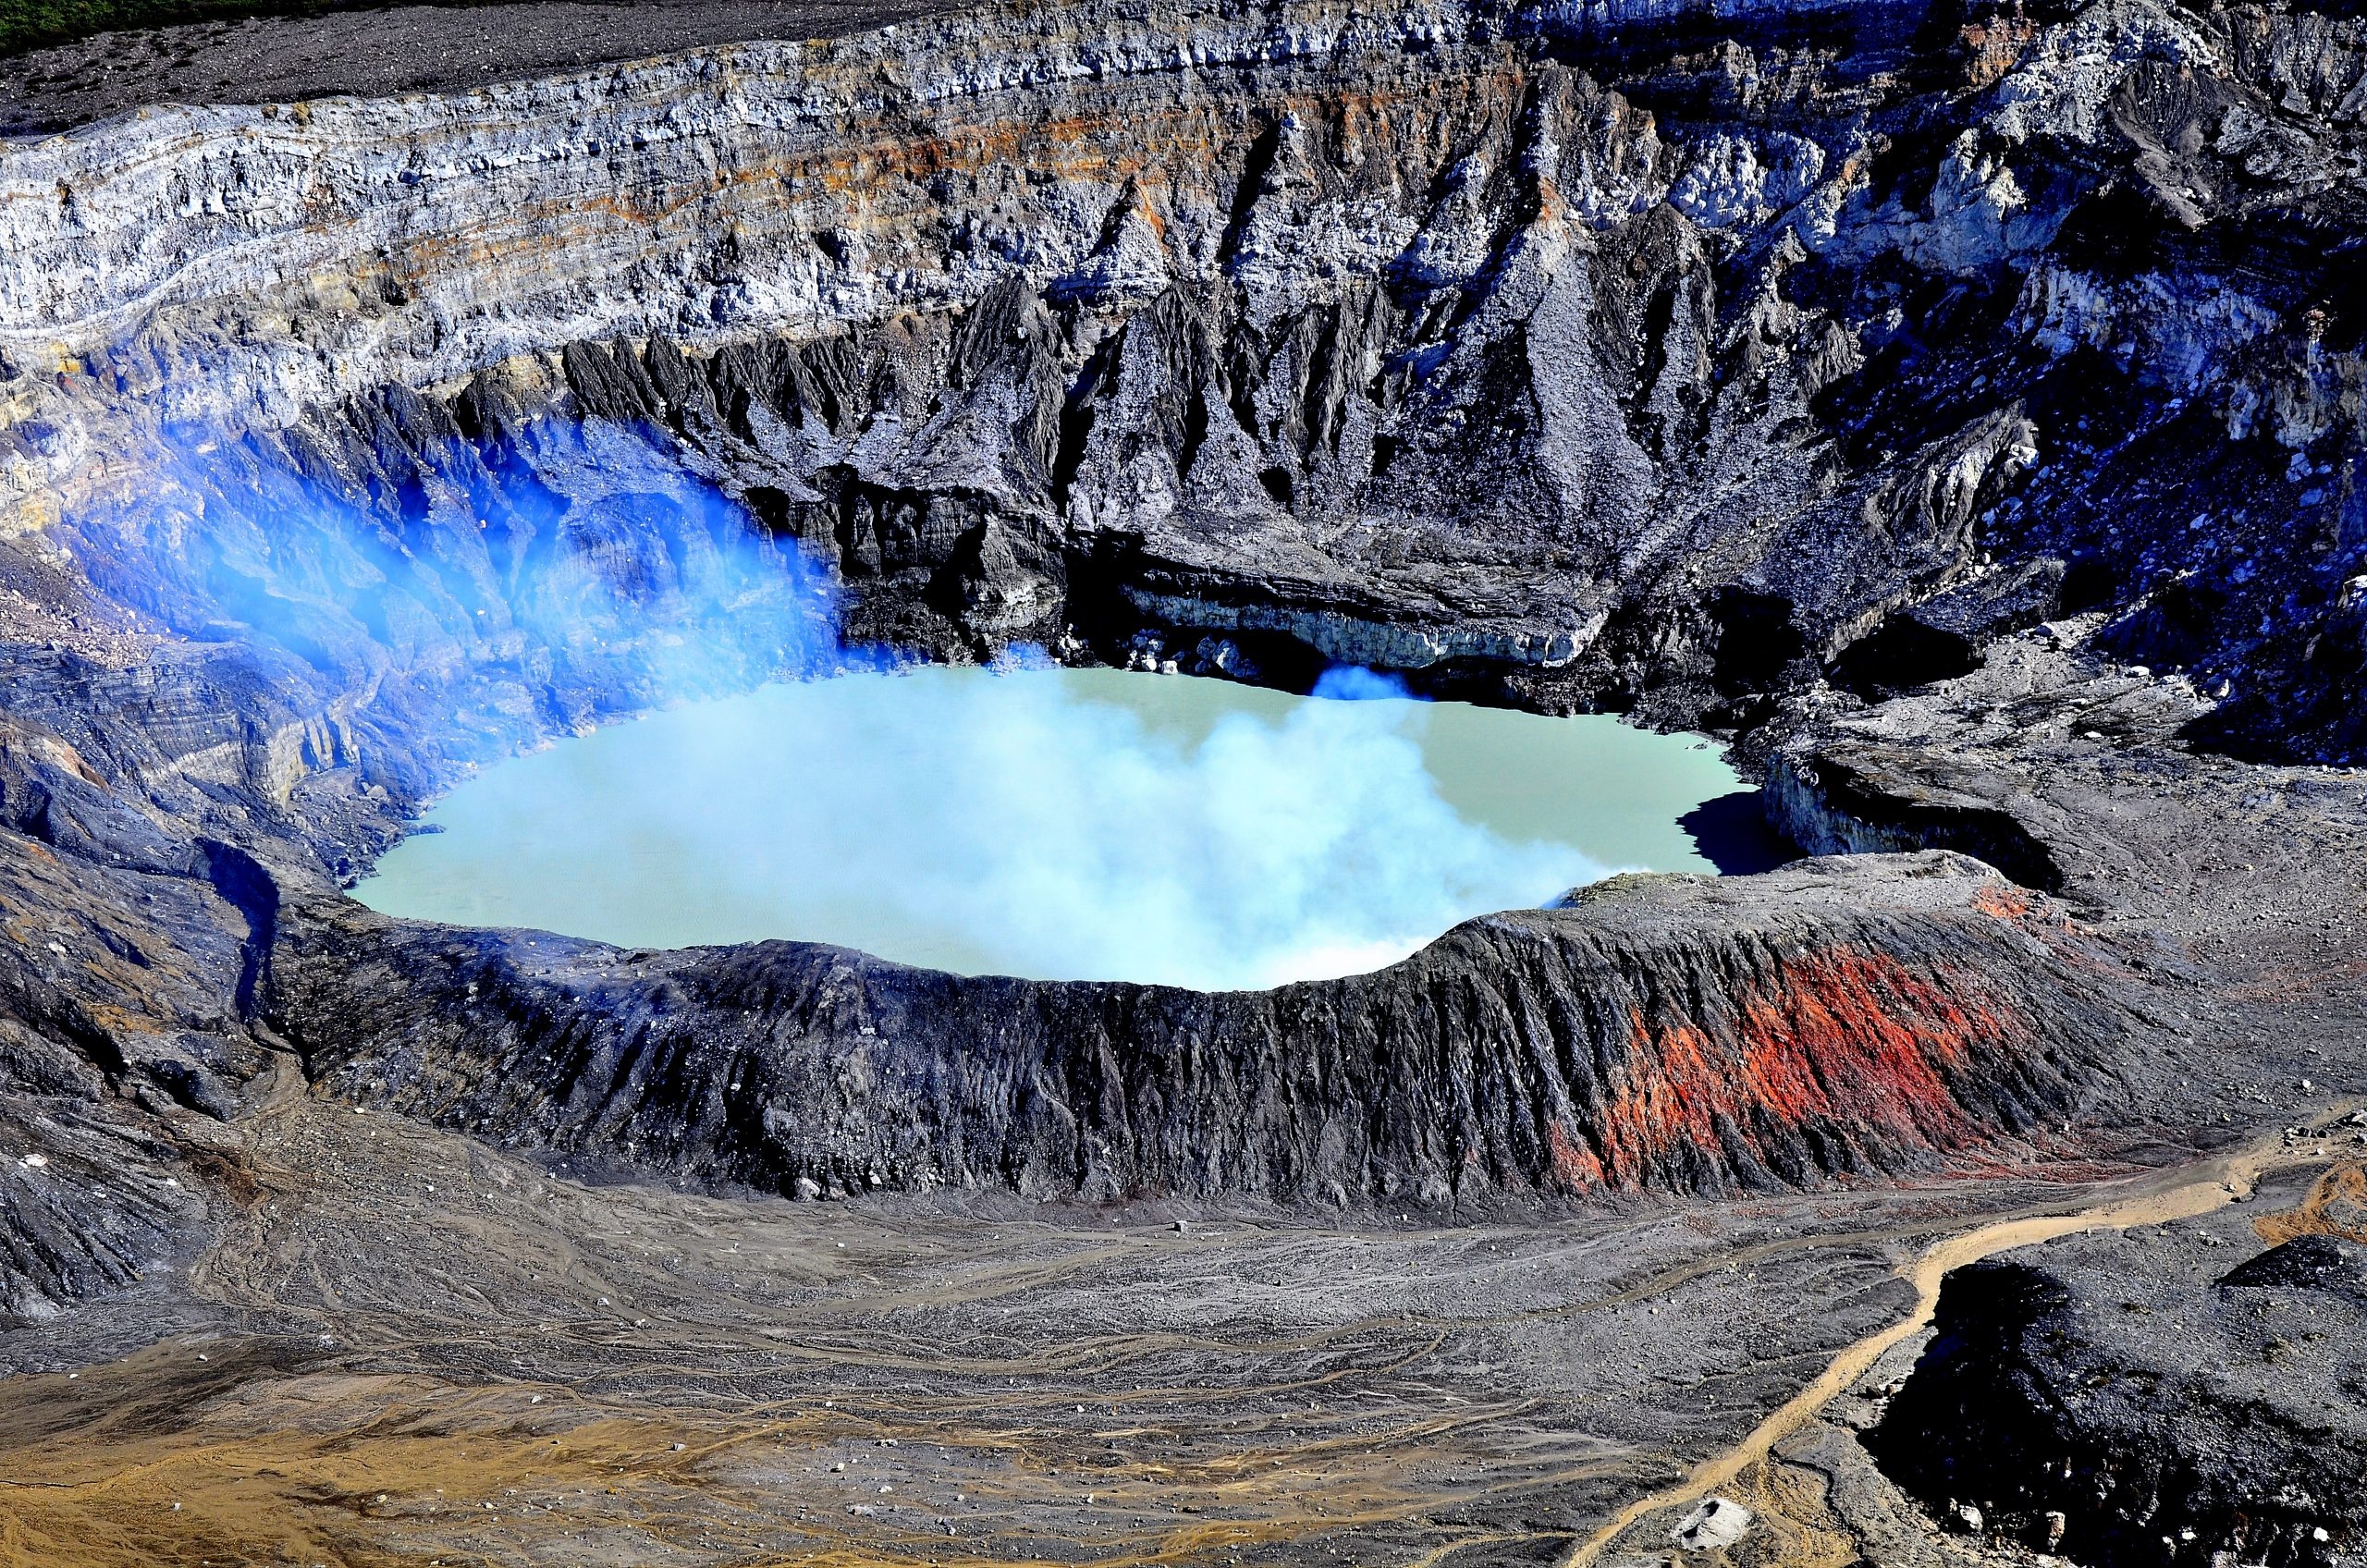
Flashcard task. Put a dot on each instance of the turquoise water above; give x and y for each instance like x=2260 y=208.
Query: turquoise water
x=1056 y=823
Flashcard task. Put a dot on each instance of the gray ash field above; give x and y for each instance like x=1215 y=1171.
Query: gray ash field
x=1956 y=412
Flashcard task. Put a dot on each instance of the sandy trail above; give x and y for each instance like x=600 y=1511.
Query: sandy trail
x=2179 y=1193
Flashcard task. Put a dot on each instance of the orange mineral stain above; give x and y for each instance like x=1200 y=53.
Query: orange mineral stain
x=1838 y=1039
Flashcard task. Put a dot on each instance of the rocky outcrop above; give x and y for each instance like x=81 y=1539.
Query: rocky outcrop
x=2136 y=1400
x=124 y=947
x=1870 y=799
x=1455 y=340
x=1678 y=1035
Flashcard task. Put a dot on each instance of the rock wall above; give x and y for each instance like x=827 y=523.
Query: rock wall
x=1575 y=356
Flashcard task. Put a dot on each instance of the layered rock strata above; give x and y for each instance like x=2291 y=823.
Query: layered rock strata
x=1555 y=353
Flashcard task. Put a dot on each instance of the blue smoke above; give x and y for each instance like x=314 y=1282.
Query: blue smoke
x=1353 y=683
x=461 y=595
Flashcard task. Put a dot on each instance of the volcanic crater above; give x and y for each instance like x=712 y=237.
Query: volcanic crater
x=1957 y=415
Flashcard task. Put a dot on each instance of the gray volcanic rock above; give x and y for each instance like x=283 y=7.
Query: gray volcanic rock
x=2172 y=1409
x=120 y=1022
x=348 y=444
x=1558 y=371
x=2307 y=1262
x=1849 y=1017
x=337 y=50
x=1959 y=411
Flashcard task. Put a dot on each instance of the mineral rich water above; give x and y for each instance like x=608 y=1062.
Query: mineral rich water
x=1061 y=823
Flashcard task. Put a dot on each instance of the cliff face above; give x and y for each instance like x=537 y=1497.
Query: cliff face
x=1556 y=353
x=1162 y=300
x=2167 y=1398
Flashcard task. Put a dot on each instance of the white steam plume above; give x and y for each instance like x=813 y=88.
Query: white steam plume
x=987 y=823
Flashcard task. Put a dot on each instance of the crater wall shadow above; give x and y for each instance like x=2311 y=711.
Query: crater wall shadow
x=1731 y=833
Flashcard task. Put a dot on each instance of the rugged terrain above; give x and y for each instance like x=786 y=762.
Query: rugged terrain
x=2063 y=1354
x=1958 y=412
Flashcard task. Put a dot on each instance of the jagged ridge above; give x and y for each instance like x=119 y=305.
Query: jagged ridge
x=1867 y=1016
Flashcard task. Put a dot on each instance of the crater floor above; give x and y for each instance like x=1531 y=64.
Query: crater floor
x=408 y=1346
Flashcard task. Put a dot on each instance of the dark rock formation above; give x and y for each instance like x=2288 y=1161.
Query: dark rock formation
x=1872 y=798
x=2172 y=1409
x=1852 y=1017
x=1946 y=635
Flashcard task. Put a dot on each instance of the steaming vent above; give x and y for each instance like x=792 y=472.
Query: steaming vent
x=1062 y=824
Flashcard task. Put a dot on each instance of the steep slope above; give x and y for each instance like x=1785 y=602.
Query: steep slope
x=1853 y=1017
x=2041 y=1400
x=1576 y=368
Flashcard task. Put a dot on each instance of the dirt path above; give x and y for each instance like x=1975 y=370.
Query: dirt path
x=2180 y=1193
